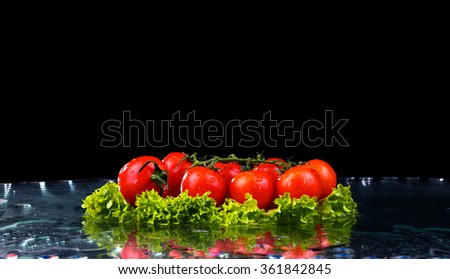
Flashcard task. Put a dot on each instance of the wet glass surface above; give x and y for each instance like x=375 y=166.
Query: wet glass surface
x=397 y=218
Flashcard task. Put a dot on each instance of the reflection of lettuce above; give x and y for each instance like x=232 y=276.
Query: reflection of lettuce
x=339 y=231
x=106 y=204
x=107 y=235
x=161 y=240
x=185 y=237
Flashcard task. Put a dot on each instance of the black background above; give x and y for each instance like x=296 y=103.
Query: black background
x=56 y=98
x=61 y=138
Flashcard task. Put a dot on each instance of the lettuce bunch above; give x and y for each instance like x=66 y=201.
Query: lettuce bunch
x=106 y=204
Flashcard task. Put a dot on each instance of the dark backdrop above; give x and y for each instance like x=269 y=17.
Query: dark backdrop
x=365 y=135
x=60 y=86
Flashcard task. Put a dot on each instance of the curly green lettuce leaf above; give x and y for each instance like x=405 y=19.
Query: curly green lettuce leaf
x=339 y=204
x=248 y=212
x=153 y=209
x=295 y=210
x=106 y=204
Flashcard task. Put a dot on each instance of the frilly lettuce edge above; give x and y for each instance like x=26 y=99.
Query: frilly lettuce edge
x=106 y=204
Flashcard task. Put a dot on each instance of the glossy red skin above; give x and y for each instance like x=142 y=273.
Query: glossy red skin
x=132 y=182
x=228 y=170
x=269 y=168
x=275 y=159
x=326 y=174
x=299 y=180
x=255 y=182
x=274 y=169
x=176 y=164
x=199 y=180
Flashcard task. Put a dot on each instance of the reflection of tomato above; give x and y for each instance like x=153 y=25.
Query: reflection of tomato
x=198 y=254
x=322 y=237
x=227 y=246
x=299 y=180
x=265 y=244
x=177 y=163
x=132 y=251
x=297 y=252
x=136 y=176
x=255 y=182
x=327 y=175
x=199 y=180
x=174 y=254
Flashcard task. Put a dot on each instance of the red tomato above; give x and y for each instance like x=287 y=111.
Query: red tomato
x=135 y=177
x=299 y=180
x=326 y=174
x=199 y=180
x=176 y=163
x=255 y=182
x=273 y=169
x=228 y=170
x=279 y=160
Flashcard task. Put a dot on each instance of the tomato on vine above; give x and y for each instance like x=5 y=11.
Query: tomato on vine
x=299 y=180
x=177 y=163
x=199 y=179
x=258 y=183
x=228 y=170
x=326 y=174
x=274 y=169
x=141 y=174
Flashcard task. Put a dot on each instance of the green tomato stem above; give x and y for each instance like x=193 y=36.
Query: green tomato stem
x=248 y=162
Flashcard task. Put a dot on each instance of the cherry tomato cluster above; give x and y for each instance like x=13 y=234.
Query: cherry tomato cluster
x=229 y=177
